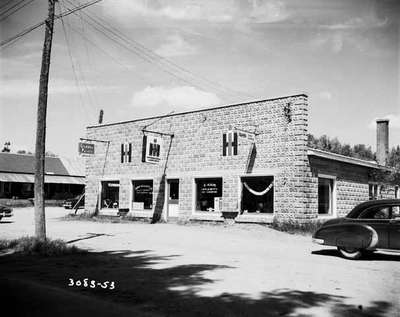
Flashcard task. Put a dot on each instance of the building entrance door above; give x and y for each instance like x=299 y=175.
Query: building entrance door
x=173 y=197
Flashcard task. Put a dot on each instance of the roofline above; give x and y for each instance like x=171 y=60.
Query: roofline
x=46 y=174
x=195 y=111
x=346 y=159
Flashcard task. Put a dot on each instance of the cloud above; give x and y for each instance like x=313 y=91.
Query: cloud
x=394 y=121
x=160 y=99
x=358 y=23
x=268 y=11
x=176 y=46
x=325 y=95
x=210 y=10
x=256 y=11
x=27 y=88
x=333 y=41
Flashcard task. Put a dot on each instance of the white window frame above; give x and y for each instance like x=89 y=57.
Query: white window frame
x=194 y=195
x=240 y=189
x=333 y=213
x=131 y=195
x=396 y=192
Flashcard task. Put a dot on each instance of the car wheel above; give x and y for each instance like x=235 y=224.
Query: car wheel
x=350 y=253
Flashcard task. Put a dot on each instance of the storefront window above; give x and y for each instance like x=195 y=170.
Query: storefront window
x=257 y=194
x=109 y=194
x=208 y=194
x=325 y=195
x=142 y=194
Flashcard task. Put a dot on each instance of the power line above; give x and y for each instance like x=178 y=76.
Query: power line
x=151 y=57
x=6 y=4
x=16 y=37
x=12 y=7
x=17 y=9
x=72 y=61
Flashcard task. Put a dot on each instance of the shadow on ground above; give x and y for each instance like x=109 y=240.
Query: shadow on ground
x=371 y=256
x=38 y=285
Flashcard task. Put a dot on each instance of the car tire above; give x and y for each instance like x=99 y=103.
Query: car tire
x=350 y=253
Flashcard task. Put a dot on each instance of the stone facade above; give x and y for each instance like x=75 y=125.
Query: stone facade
x=195 y=151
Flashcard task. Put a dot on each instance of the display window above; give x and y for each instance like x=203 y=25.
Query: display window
x=142 y=194
x=208 y=194
x=257 y=195
x=109 y=194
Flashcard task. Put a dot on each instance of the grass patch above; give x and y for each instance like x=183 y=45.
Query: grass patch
x=34 y=246
x=105 y=219
x=295 y=226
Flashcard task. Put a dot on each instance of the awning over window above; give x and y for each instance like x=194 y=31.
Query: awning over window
x=50 y=179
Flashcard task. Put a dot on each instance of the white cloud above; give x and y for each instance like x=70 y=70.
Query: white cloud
x=325 y=95
x=394 y=121
x=257 y=11
x=160 y=99
x=268 y=11
x=209 y=10
x=358 y=23
x=333 y=41
x=176 y=46
x=27 y=88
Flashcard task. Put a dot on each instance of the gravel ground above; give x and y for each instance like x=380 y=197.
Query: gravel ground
x=251 y=264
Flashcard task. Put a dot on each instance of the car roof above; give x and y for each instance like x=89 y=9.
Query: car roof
x=371 y=203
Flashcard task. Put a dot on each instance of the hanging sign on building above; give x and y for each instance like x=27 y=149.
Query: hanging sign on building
x=251 y=136
x=86 y=148
x=152 y=147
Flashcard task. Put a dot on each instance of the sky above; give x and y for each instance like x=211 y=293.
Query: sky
x=140 y=58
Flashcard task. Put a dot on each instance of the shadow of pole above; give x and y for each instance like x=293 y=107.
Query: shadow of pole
x=160 y=200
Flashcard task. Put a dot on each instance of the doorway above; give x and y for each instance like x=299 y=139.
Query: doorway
x=173 y=197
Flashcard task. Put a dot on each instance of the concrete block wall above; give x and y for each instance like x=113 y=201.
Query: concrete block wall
x=196 y=150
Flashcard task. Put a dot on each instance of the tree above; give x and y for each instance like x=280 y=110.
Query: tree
x=6 y=148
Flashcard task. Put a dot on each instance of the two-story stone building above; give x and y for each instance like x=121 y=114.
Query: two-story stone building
x=251 y=158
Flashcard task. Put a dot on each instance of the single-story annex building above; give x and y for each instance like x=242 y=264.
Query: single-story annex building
x=64 y=177
x=250 y=158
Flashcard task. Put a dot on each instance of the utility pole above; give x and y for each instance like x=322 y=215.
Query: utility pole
x=40 y=221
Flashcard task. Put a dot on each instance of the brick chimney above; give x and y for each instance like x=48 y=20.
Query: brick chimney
x=382 y=141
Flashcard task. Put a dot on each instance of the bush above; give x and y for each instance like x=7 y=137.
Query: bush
x=32 y=245
x=295 y=226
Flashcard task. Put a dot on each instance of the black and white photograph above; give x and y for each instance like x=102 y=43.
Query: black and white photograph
x=200 y=158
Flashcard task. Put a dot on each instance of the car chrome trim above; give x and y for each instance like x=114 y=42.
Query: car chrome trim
x=374 y=239
x=318 y=241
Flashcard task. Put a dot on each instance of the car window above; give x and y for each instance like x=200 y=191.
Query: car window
x=395 y=212
x=378 y=212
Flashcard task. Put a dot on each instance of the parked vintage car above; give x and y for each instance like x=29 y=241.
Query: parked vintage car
x=5 y=211
x=370 y=226
x=71 y=202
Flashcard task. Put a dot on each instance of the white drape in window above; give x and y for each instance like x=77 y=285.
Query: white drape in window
x=258 y=193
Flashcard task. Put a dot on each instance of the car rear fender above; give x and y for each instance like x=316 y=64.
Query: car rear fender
x=348 y=235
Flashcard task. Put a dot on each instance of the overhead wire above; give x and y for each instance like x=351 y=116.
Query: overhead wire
x=16 y=37
x=78 y=67
x=6 y=4
x=16 y=10
x=77 y=84
x=150 y=56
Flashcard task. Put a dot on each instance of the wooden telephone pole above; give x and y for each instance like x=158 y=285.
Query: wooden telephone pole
x=40 y=221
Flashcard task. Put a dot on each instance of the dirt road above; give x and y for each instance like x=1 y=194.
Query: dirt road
x=234 y=269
